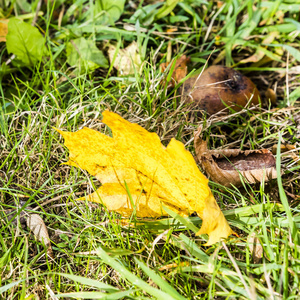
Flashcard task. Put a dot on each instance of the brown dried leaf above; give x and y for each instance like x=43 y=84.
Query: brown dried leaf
x=180 y=70
x=39 y=229
x=226 y=166
x=255 y=248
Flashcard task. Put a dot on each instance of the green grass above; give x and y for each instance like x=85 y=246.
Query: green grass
x=96 y=254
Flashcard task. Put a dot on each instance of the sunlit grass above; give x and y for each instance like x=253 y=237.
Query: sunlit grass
x=98 y=254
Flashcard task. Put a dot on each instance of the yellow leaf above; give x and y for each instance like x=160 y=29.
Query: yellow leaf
x=3 y=29
x=134 y=160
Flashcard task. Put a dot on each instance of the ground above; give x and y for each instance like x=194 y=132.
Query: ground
x=138 y=258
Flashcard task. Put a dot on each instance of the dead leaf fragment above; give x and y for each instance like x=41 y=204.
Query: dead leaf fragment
x=232 y=166
x=174 y=265
x=283 y=148
x=255 y=248
x=135 y=163
x=260 y=53
x=3 y=29
x=127 y=61
x=39 y=229
x=288 y=150
x=180 y=70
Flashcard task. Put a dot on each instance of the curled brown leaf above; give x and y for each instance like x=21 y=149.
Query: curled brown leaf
x=233 y=166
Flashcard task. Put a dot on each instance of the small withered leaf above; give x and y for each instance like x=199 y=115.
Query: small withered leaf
x=180 y=70
x=40 y=231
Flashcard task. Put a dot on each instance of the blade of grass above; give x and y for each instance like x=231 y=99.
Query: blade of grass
x=9 y=286
x=159 y=281
x=135 y=280
x=283 y=196
x=89 y=282
x=181 y=219
x=97 y=295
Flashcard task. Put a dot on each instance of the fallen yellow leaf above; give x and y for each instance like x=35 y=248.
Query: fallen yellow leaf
x=3 y=29
x=138 y=174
